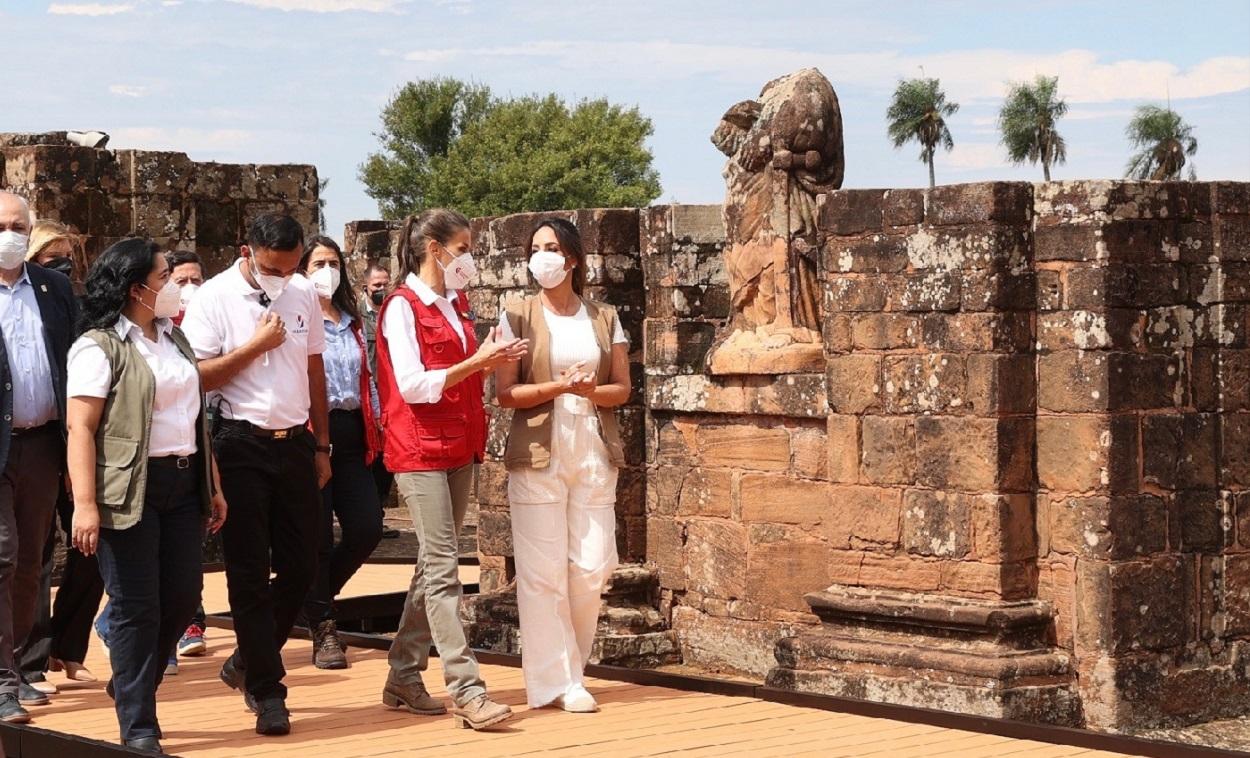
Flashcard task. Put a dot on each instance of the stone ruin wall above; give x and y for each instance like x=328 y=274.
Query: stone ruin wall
x=1037 y=399
x=107 y=195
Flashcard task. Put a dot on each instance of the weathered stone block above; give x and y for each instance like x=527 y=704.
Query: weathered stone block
x=889 y=449
x=1009 y=202
x=1087 y=453
x=930 y=291
x=885 y=331
x=936 y=523
x=1003 y=528
x=762 y=448
x=850 y=211
x=928 y=383
x=977 y=332
x=1116 y=528
x=974 y=453
x=1124 y=285
x=1130 y=606
x=809 y=453
x=1234 y=462
x=666 y=549
x=781 y=572
x=873 y=253
x=1179 y=450
x=1008 y=581
x=155 y=172
x=1000 y=384
x=986 y=289
x=854 y=383
x=1199 y=515
x=903 y=207
x=706 y=492
x=1119 y=328
x=863 y=518
x=608 y=231
x=856 y=294
x=900 y=572
x=713 y=557
x=783 y=500
x=843 y=448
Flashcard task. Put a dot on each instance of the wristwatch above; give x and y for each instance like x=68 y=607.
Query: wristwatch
x=327 y=449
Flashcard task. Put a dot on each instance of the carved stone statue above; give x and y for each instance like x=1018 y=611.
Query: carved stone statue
x=784 y=149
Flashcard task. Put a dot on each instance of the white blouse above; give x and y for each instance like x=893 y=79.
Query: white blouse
x=399 y=325
x=572 y=341
x=176 y=406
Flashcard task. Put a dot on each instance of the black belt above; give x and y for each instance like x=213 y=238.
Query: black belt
x=173 y=461
x=256 y=431
x=23 y=431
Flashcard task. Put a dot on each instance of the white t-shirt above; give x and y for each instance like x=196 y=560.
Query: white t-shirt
x=572 y=340
x=272 y=391
x=399 y=326
x=176 y=404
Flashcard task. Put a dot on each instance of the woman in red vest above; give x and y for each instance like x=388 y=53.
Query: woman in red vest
x=430 y=387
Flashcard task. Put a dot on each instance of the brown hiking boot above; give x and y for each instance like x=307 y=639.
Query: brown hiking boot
x=411 y=697
x=481 y=713
x=327 y=649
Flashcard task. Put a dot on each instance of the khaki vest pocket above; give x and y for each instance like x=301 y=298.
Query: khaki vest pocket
x=115 y=462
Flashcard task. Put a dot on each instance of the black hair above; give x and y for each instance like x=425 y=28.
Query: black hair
x=342 y=298
x=375 y=267
x=114 y=272
x=438 y=224
x=178 y=257
x=570 y=244
x=275 y=231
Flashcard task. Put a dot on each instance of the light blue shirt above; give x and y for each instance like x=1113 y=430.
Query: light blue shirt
x=342 y=362
x=34 y=398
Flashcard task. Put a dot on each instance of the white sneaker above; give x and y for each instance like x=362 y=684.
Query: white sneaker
x=577 y=700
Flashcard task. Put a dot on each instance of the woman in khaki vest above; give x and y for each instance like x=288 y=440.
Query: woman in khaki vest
x=142 y=472
x=562 y=456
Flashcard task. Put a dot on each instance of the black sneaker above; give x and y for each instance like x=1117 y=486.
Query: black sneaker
x=233 y=678
x=272 y=717
x=11 y=711
x=28 y=695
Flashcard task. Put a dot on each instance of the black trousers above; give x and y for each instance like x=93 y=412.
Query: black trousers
x=153 y=576
x=351 y=496
x=63 y=628
x=274 y=523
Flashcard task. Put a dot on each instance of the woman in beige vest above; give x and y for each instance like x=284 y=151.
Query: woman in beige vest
x=142 y=470
x=562 y=456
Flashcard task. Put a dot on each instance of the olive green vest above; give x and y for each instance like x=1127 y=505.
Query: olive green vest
x=529 y=441
x=122 y=438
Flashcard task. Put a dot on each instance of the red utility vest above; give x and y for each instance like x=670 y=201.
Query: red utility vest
x=431 y=436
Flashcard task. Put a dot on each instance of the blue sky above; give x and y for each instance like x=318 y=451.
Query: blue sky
x=270 y=81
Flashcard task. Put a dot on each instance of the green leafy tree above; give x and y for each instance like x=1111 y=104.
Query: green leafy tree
x=918 y=112
x=1027 y=122
x=1162 y=140
x=321 y=203
x=524 y=154
x=419 y=125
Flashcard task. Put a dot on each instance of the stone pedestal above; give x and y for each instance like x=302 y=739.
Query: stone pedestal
x=631 y=631
x=985 y=657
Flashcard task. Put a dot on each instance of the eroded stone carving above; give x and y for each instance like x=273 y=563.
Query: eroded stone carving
x=784 y=149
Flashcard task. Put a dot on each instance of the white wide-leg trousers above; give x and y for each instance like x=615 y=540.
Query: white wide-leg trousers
x=564 y=544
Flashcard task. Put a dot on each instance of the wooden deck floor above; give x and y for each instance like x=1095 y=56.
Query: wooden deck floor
x=338 y=713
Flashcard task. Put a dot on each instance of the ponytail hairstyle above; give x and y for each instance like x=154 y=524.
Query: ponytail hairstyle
x=438 y=224
x=570 y=244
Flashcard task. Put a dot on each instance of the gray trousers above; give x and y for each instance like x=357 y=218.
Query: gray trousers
x=28 y=491
x=437 y=501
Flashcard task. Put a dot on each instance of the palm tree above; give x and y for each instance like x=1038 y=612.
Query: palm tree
x=321 y=203
x=1027 y=122
x=1162 y=140
x=918 y=112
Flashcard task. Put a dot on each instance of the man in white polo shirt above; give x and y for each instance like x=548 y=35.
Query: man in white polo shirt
x=259 y=336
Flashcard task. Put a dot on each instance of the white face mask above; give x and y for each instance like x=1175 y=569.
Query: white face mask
x=272 y=286
x=168 y=300
x=13 y=247
x=548 y=268
x=459 y=272
x=326 y=281
x=186 y=293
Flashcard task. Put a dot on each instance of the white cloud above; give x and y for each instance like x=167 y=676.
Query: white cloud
x=89 y=9
x=967 y=75
x=127 y=90
x=972 y=156
x=209 y=142
x=170 y=3
x=325 y=6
